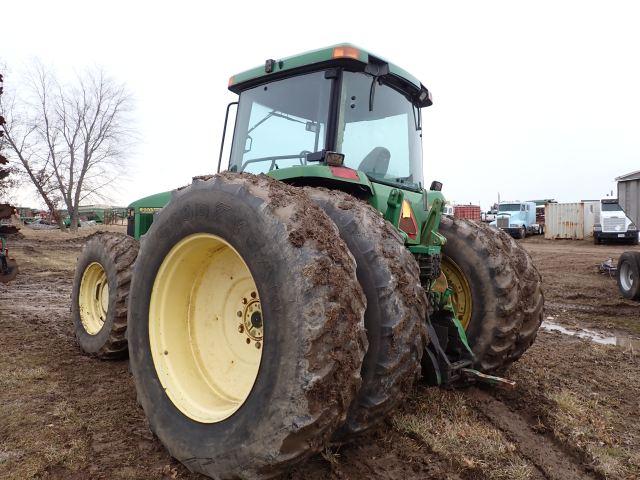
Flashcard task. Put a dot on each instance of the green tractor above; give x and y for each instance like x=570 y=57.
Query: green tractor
x=291 y=302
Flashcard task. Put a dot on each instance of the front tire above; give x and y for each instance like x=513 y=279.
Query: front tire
x=497 y=291
x=228 y=396
x=100 y=293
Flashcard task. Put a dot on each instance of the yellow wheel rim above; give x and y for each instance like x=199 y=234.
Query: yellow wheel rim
x=94 y=298
x=205 y=328
x=461 y=296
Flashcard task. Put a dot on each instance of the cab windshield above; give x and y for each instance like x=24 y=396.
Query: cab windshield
x=611 y=207
x=510 y=207
x=381 y=137
x=280 y=123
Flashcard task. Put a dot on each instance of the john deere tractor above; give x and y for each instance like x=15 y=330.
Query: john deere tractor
x=291 y=302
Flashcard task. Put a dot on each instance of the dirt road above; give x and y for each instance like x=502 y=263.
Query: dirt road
x=573 y=415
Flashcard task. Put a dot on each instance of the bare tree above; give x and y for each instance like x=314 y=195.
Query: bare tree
x=9 y=178
x=71 y=139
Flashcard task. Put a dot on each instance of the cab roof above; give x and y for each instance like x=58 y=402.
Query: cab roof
x=342 y=54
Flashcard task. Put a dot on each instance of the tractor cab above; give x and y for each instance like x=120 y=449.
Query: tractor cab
x=336 y=107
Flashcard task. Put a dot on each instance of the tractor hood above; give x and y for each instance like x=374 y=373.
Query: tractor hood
x=155 y=201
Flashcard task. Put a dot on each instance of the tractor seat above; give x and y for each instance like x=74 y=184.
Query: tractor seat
x=376 y=162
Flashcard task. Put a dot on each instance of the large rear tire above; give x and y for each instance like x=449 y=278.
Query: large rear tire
x=395 y=318
x=629 y=275
x=100 y=293
x=497 y=291
x=246 y=331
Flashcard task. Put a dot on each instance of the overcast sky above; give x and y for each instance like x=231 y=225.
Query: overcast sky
x=531 y=99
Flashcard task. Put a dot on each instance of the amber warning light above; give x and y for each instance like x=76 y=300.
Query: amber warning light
x=346 y=52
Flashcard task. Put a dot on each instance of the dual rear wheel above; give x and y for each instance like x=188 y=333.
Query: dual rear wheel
x=251 y=343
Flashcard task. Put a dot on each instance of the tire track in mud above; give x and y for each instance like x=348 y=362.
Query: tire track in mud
x=616 y=309
x=552 y=460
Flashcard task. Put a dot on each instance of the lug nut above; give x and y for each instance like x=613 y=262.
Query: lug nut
x=240 y=328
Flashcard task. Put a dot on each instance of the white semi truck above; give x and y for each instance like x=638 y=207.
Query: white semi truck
x=613 y=224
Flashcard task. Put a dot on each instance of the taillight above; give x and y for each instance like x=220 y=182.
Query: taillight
x=344 y=172
x=408 y=222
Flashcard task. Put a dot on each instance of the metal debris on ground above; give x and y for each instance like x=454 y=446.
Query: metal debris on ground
x=607 y=267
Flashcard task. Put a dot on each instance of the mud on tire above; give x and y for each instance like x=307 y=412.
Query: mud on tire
x=396 y=308
x=506 y=291
x=314 y=338
x=116 y=254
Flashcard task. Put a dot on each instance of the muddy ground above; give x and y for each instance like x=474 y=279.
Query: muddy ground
x=574 y=413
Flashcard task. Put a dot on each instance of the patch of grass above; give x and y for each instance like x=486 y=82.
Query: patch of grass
x=587 y=425
x=331 y=456
x=11 y=377
x=8 y=456
x=451 y=428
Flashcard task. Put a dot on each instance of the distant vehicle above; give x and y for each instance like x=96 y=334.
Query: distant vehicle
x=41 y=224
x=614 y=225
x=518 y=219
x=447 y=210
x=490 y=215
x=470 y=212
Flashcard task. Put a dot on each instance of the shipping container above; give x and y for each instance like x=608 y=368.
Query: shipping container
x=471 y=212
x=571 y=220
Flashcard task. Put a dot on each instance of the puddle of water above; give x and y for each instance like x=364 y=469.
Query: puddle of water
x=625 y=341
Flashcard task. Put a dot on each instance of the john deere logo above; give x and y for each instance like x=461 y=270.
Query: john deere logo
x=148 y=209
